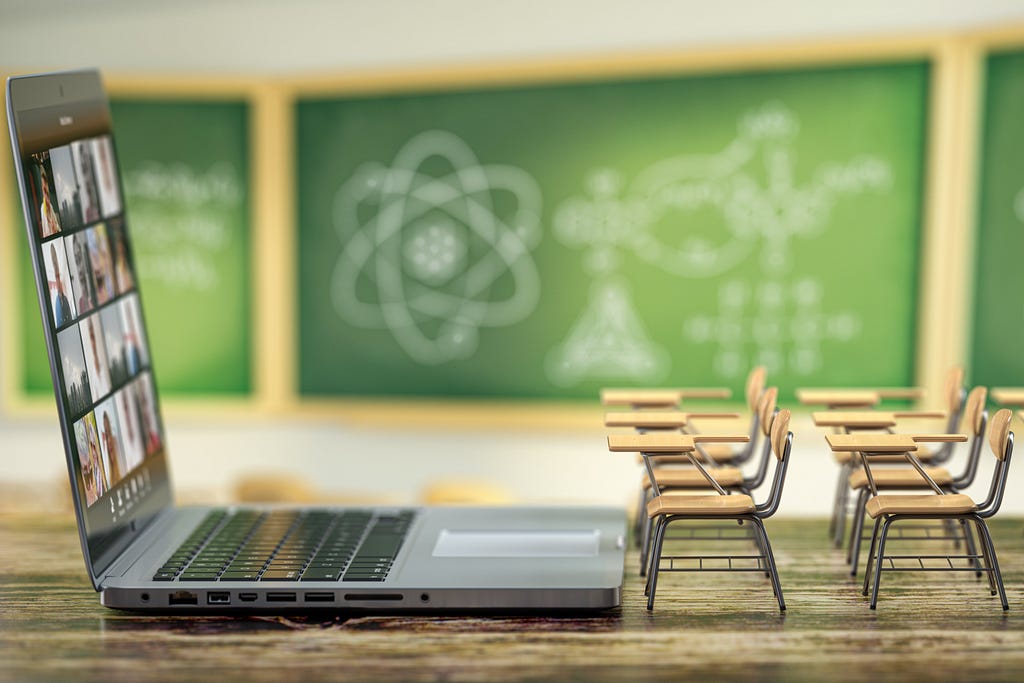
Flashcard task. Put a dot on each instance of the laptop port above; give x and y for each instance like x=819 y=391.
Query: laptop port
x=183 y=598
x=319 y=597
x=280 y=597
x=372 y=596
x=247 y=597
x=218 y=598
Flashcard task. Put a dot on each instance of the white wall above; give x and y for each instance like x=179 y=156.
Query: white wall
x=303 y=36
x=264 y=36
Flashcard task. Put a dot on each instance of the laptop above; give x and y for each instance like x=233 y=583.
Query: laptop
x=141 y=550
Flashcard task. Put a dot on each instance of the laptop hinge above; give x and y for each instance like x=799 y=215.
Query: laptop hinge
x=150 y=535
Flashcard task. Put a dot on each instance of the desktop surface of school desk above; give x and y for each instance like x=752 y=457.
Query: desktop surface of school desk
x=52 y=627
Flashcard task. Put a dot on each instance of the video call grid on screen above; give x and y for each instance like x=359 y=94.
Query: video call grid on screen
x=104 y=366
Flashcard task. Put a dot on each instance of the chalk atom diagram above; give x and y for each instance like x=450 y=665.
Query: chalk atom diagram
x=756 y=207
x=435 y=247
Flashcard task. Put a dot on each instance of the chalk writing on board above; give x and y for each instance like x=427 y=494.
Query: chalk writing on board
x=183 y=220
x=436 y=246
x=608 y=341
x=778 y=324
x=703 y=215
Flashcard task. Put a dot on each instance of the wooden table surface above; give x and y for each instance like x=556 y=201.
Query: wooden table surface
x=705 y=627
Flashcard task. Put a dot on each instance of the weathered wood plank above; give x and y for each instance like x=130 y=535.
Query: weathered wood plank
x=704 y=626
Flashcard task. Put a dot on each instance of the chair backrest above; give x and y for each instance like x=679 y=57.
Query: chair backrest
x=975 y=420
x=1000 y=440
x=999 y=433
x=953 y=392
x=766 y=409
x=780 y=433
x=781 y=440
x=974 y=411
x=764 y=414
x=755 y=387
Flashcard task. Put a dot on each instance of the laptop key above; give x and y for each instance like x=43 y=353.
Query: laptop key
x=164 y=576
x=321 y=574
x=291 y=575
x=240 y=576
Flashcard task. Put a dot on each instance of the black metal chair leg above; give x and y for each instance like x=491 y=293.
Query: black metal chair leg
x=993 y=562
x=656 y=563
x=878 y=561
x=971 y=548
x=647 y=583
x=770 y=559
x=645 y=546
x=858 y=531
x=871 y=557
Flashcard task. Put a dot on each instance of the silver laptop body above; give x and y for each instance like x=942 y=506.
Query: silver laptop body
x=143 y=552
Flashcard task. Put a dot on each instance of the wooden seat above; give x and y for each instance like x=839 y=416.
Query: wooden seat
x=691 y=478
x=683 y=504
x=902 y=478
x=953 y=503
x=922 y=453
x=718 y=452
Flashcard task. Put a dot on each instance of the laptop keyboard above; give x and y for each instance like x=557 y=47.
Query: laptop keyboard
x=289 y=545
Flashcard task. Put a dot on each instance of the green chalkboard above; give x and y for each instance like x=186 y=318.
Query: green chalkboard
x=997 y=352
x=185 y=170
x=546 y=241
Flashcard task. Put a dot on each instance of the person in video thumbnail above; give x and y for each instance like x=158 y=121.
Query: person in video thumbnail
x=56 y=276
x=81 y=277
x=134 y=343
x=110 y=441
x=99 y=256
x=49 y=224
x=96 y=357
x=76 y=377
x=147 y=413
x=94 y=479
x=122 y=269
x=106 y=176
x=85 y=174
x=131 y=432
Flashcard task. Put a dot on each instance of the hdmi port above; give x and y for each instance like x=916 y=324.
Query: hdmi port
x=280 y=597
x=247 y=597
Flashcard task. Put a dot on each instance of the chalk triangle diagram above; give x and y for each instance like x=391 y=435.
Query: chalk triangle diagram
x=607 y=342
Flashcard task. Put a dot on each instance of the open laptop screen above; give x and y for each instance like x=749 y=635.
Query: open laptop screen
x=80 y=245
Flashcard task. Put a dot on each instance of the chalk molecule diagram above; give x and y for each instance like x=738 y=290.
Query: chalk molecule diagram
x=655 y=218
x=436 y=246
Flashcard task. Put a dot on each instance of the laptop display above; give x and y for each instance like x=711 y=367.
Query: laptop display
x=89 y=295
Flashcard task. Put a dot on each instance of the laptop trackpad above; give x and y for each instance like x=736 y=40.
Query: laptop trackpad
x=517 y=543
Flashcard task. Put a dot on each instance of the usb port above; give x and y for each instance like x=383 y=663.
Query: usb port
x=247 y=597
x=319 y=597
x=182 y=598
x=280 y=597
x=218 y=598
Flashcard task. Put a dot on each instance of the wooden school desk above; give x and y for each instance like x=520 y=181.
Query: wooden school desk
x=854 y=398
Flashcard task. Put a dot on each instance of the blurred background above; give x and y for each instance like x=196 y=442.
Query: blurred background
x=659 y=193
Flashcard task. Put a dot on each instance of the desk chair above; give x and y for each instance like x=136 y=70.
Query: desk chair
x=676 y=478
x=890 y=479
x=887 y=510
x=669 y=508
x=954 y=396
